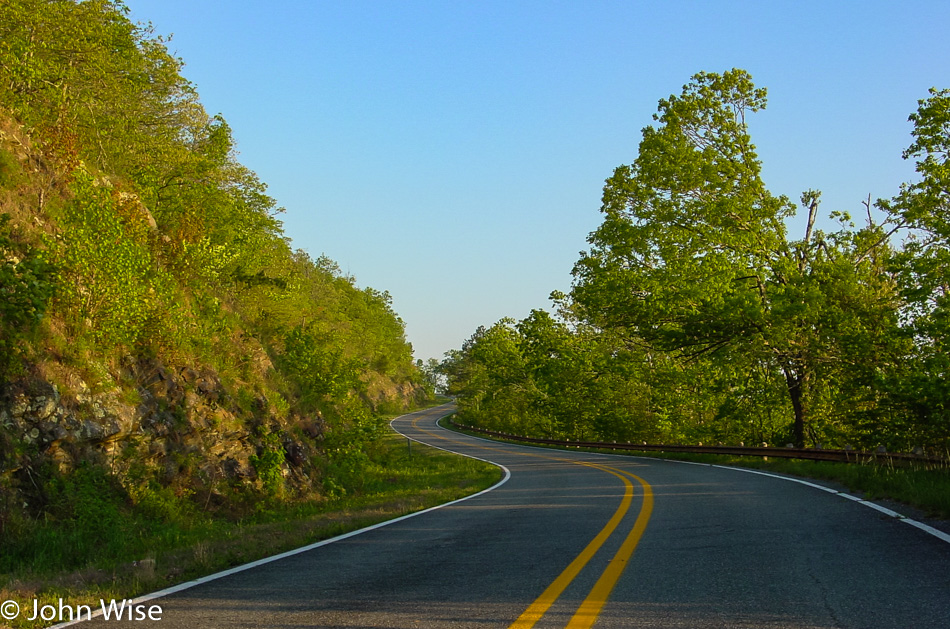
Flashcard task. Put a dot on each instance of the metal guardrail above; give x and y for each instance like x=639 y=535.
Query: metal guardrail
x=812 y=454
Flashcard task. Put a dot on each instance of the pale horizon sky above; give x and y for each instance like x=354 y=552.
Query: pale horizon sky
x=453 y=153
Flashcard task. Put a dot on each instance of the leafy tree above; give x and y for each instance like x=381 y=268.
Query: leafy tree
x=317 y=364
x=693 y=257
x=82 y=70
x=106 y=269
x=432 y=377
x=922 y=210
x=488 y=374
x=540 y=377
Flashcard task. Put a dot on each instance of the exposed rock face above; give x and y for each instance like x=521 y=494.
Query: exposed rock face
x=179 y=426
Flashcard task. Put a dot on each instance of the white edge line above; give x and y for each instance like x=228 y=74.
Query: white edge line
x=929 y=529
x=290 y=553
x=867 y=503
x=794 y=480
x=884 y=510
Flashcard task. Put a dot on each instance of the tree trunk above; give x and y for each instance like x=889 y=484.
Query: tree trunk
x=795 y=380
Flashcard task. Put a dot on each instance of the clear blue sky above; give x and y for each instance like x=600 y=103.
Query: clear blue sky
x=453 y=153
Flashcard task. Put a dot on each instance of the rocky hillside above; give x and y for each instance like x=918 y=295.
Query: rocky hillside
x=156 y=323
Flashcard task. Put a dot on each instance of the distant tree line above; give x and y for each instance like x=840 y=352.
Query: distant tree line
x=696 y=317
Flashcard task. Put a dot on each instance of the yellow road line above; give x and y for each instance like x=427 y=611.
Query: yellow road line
x=538 y=608
x=591 y=606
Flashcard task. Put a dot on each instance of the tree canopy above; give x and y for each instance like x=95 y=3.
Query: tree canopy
x=693 y=274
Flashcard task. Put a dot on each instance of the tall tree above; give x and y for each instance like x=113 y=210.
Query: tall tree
x=923 y=210
x=693 y=256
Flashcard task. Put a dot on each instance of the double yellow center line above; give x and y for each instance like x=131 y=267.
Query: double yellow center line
x=590 y=607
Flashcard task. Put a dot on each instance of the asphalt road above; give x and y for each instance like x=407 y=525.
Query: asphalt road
x=575 y=540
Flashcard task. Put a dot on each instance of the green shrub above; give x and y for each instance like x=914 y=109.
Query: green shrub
x=106 y=268
x=27 y=282
x=10 y=170
x=268 y=464
x=92 y=503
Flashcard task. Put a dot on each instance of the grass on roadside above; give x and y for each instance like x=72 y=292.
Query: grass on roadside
x=926 y=488
x=396 y=483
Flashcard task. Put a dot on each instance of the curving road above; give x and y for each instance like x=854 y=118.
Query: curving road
x=579 y=540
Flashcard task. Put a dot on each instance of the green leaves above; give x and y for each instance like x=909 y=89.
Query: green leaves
x=693 y=256
x=695 y=317
x=268 y=463
x=27 y=283
x=922 y=269
x=687 y=226
x=163 y=253
x=105 y=266
x=317 y=364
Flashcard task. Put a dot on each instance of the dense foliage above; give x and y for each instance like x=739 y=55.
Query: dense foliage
x=134 y=246
x=695 y=317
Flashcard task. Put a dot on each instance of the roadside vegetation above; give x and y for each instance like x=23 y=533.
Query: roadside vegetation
x=697 y=317
x=138 y=552
x=179 y=386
